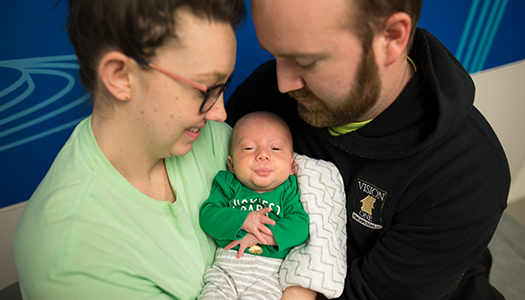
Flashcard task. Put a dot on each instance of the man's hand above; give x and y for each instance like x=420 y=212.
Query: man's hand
x=255 y=224
x=297 y=292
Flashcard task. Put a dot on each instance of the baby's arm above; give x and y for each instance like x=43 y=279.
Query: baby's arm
x=255 y=224
x=249 y=240
x=257 y=232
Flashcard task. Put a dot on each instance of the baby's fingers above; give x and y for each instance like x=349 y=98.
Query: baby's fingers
x=263 y=218
x=235 y=243
x=266 y=220
x=264 y=211
x=265 y=230
x=232 y=244
x=259 y=236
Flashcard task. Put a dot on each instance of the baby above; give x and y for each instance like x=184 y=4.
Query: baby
x=253 y=209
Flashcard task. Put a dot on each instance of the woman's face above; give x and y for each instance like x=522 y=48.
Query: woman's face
x=167 y=110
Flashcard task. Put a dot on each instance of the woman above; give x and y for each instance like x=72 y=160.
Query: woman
x=116 y=217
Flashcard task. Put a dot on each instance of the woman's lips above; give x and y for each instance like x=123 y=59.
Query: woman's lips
x=193 y=132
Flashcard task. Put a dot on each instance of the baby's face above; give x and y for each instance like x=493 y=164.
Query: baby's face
x=262 y=155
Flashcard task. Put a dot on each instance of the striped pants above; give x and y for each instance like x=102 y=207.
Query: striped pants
x=250 y=277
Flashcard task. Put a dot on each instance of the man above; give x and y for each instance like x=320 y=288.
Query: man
x=426 y=178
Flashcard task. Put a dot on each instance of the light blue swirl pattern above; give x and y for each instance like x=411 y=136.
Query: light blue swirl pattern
x=36 y=66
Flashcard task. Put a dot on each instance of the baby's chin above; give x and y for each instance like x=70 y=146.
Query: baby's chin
x=261 y=188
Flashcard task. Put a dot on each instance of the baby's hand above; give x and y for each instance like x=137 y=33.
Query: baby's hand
x=247 y=241
x=255 y=221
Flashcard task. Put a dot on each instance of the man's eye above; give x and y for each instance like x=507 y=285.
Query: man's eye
x=305 y=65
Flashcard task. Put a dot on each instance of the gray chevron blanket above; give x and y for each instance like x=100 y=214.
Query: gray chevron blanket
x=320 y=263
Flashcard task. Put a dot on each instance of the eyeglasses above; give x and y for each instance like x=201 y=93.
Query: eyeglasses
x=210 y=94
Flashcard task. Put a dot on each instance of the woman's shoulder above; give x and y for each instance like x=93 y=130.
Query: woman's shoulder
x=219 y=130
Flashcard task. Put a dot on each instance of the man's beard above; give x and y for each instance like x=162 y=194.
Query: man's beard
x=363 y=96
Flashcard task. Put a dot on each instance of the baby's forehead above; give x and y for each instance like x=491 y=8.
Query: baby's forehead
x=263 y=119
x=268 y=125
x=260 y=134
x=261 y=122
x=260 y=131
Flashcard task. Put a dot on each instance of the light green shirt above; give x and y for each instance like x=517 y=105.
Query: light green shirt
x=337 y=131
x=87 y=233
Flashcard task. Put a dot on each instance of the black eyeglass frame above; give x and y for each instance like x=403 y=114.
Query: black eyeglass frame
x=206 y=91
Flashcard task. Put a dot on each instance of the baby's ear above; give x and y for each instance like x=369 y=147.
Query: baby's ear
x=230 y=163
x=293 y=168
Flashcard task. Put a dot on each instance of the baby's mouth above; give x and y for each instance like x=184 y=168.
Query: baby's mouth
x=263 y=171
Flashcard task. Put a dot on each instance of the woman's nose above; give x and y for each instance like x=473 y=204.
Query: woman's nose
x=217 y=113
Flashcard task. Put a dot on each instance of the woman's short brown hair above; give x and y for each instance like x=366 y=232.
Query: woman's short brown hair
x=134 y=27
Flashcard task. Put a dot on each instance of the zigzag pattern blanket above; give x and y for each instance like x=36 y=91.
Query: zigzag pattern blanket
x=320 y=263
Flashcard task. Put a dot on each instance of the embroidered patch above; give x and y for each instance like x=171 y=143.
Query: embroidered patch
x=255 y=249
x=368 y=205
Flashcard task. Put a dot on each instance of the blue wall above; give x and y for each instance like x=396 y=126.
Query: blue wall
x=41 y=99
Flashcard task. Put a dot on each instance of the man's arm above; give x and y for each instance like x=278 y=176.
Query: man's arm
x=299 y=293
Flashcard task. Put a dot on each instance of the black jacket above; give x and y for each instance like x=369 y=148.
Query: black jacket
x=436 y=173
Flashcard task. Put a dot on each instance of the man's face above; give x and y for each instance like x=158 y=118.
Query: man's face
x=320 y=62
